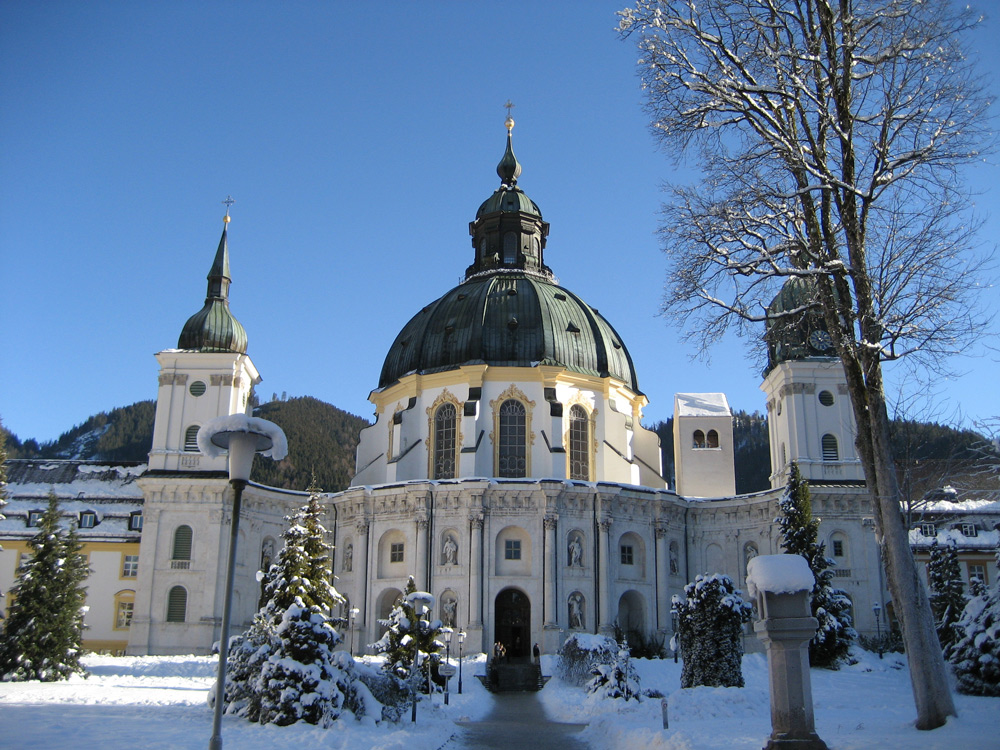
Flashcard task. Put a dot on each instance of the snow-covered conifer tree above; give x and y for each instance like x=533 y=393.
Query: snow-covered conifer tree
x=975 y=656
x=43 y=632
x=799 y=536
x=408 y=635
x=283 y=669
x=710 y=625
x=947 y=597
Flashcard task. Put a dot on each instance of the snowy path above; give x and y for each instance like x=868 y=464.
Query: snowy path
x=517 y=720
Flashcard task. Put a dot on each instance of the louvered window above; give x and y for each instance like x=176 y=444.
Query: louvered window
x=177 y=604
x=182 y=547
x=512 y=447
x=579 y=444
x=191 y=439
x=445 y=424
x=830 y=451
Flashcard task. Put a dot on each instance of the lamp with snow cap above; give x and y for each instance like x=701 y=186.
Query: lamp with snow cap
x=243 y=437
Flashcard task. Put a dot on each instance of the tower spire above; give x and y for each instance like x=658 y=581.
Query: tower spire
x=509 y=169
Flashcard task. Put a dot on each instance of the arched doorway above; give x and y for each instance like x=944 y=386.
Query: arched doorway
x=512 y=624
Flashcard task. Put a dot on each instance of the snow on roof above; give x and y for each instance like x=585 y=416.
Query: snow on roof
x=988 y=540
x=779 y=574
x=34 y=478
x=701 y=405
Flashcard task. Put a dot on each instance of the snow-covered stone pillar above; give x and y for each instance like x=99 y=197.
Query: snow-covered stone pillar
x=551 y=554
x=781 y=585
x=421 y=573
x=662 y=573
x=475 y=565
x=603 y=590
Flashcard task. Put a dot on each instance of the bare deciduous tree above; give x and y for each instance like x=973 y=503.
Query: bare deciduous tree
x=830 y=134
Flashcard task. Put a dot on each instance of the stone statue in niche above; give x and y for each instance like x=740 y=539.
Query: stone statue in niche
x=749 y=553
x=448 y=609
x=575 y=552
x=349 y=558
x=449 y=552
x=576 y=611
x=674 y=562
x=266 y=555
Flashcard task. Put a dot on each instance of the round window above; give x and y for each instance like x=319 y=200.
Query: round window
x=826 y=398
x=197 y=388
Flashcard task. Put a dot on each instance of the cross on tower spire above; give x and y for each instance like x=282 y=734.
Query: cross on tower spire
x=227 y=203
x=510 y=120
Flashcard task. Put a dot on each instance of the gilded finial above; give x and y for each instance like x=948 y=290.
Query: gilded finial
x=227 y=203
x=509 y=122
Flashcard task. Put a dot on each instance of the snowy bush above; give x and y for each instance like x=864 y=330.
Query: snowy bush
x=409 y=634
x=617 y=679
x=582 y=653
x=710 y=625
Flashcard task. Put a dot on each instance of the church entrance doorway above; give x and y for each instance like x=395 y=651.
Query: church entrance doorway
x=512 y=624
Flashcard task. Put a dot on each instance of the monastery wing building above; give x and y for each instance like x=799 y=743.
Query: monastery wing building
x=507 y=471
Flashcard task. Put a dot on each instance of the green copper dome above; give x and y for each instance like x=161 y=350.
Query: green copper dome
x=214 y=328
x=795 y=327
x=509 y=311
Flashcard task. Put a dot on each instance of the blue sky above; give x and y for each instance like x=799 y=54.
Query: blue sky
x=358 y=140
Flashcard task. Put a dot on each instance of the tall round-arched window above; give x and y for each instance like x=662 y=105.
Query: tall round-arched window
x=830 y=450
x=182 y=543
x=177 y=601
x=579 y=443
x=512 y=443
x=445 y=431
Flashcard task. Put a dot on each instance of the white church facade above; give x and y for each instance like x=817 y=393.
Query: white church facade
x=507 y=469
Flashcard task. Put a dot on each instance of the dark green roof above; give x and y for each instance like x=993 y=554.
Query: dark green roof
x=214 y=328
x=509 y=319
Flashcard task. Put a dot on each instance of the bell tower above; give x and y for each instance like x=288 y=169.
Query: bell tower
x=809 y=413
x=208 y=375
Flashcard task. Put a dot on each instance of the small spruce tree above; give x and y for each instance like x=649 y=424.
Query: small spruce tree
x=617 y=679
x=406 y=636
x=830 y=606
x=283 y=669
x=947 y=597
x=975 y=655
x=710 y=625
x=43 y=633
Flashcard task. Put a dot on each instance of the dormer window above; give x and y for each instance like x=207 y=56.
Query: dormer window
x=969 y=529
x=35 y=517
x=88 y=519
x=135 y=521
x=928 y=529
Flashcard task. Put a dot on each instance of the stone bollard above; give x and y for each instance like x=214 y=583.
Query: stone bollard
x=782 y=585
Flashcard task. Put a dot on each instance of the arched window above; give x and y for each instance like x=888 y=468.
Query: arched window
x=830 y=451
x=445 y=431
x=579 y=443
x=191 y=439
x=512 y=445
x=510 y=247
x=712 y=440
x=177 y=601
x=698 y=440
x=182 y=544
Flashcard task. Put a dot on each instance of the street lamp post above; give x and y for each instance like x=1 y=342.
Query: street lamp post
x=243 y=437
x=461 y=641
x=877 y=609
x=352 y=614
x=447 y=660
x=675 y=644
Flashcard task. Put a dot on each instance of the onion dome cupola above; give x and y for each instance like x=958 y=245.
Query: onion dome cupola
x=508 y=232
x=214 y=328
x=795 y=326
x=509 y=312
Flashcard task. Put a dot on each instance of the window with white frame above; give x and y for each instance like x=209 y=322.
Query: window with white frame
x=35 y=517
x=130 y=566
x=135 y=521
x=969 y=529
x=88 y=519
x=928 y=529
x=978 y=570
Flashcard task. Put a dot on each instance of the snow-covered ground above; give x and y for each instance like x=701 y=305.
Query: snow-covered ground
x=160 y=702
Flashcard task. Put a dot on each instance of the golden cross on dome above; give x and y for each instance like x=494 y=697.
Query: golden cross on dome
x=510 y=120
x=227 y=203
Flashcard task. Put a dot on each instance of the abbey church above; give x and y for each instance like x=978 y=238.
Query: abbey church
x=507 y=471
